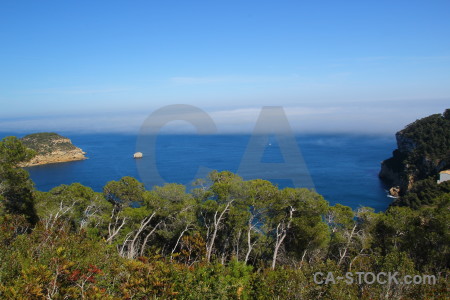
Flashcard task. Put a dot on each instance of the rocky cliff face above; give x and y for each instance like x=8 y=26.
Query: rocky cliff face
x=51 y=148
x=395 y=170
x=423 y=149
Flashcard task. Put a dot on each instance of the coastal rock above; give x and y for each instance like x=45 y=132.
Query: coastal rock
x=394 y=191
x=51 y=148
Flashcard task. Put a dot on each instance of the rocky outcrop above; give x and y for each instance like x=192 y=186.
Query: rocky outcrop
x=51 y=148
x=55 y=157
x=423 y=149
x=394 y=191
x=403 y=168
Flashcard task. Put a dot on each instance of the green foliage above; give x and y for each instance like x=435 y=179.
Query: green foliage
x=227 y=239
x=431 y=136
x=423 y=192
x=54 y=263
x=416 y=169
x=125 y=192
x=422 y=233
x=16 y=188
x=78 y=205
x=446 y=114
x=13 y=152
x=215 y=281
x=46 y=142
x=308 y=232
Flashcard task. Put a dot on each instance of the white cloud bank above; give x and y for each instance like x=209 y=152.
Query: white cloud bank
x=369 y=117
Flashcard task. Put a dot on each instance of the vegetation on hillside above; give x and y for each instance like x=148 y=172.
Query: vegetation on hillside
x=423 y=192
x=16 y=188
x=227 y=239
x=46 y=142
x=417 y=168
x=431 y=136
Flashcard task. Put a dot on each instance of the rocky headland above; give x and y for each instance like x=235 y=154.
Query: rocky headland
x=51 y=148
x=423 y=149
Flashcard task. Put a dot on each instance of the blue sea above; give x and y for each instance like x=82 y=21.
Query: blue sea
x=343 y=168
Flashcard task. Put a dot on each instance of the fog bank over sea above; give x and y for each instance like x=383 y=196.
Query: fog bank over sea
x=362 y=117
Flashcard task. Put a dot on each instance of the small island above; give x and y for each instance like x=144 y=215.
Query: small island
x=51 y=148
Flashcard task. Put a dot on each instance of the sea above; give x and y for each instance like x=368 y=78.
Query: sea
x=343 y=168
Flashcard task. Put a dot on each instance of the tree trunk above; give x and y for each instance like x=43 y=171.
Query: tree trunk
x=249 y=241
x=281 y=235
x=217 y=222
x=344 y=253
x=178 y=241
x=146 y=238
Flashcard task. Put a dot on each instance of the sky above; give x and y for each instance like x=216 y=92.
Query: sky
x=334 y=66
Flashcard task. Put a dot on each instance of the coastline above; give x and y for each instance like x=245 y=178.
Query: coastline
x=55 y=157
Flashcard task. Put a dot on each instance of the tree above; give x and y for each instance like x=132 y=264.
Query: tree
x=80 y=206
x=122 y=194
x=446 y=114
x=177 y=211
x=310 y=235
x=16 y=188
x=296 y=215
x=216 y=202
x=174 y=211
x=259 y=194
x=125 y=192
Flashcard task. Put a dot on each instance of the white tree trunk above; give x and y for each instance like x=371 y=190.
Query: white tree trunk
x=281 y=233
x=144 y=222
x=217 y=222
x=178 y=240
x=343 y=253
x=146 y=238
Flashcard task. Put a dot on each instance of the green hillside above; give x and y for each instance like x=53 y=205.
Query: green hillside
x=47 y=142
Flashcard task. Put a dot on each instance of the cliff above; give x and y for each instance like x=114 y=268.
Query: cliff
x=423 y=149
x=51 y=148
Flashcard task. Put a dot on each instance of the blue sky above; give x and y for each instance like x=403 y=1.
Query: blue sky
x=366 y=66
